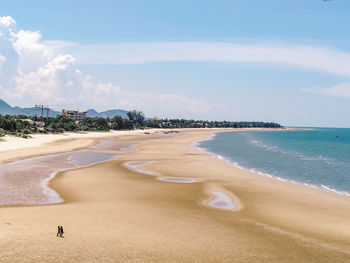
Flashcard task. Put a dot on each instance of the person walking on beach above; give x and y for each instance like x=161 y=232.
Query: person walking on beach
x=61 y=231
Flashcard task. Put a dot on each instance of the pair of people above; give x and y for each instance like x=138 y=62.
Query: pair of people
x=60 y=231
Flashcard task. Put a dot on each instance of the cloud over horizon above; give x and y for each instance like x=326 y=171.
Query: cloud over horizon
x=341 y=90
x=35 y=72
x=303 y=57
x=307 y=57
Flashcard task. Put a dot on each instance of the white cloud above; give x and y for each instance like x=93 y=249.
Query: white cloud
x=324 y=59
x=35 y=71
x=7 y=22
x=53 y=81
x=341 y=90
x=315 y=58
x=2 y=61
x=32 y=52
x=163 y=105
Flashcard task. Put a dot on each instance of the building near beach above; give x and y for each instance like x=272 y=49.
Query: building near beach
x=75 y=115
x=39 y=124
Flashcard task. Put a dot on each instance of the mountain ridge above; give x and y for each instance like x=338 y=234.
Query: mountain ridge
x=6 y=109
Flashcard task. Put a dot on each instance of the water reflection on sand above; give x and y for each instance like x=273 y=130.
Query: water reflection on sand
x=177 y=180
x=25 y=182
x=134 y=165
x=115 y=146
x=222 y=201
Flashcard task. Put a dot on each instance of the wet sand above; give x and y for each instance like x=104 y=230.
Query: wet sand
x=25 y=182
x=14 y=148
x=112 y=213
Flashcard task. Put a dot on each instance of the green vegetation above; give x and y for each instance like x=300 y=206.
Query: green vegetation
x=23 y=126
x=15 y=126
x=137 y=118
x=177 y=123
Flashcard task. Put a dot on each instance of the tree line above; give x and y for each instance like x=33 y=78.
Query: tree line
x=23 y=126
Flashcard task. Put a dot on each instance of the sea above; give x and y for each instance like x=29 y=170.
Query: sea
x=315 y=157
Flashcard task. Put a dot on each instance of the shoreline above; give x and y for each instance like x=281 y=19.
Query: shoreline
x=95 y=136
x=234 y=164
x=133 y=217
x=15 y=148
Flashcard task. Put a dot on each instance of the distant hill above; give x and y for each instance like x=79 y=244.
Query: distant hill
x=6 y=109
x=4 y=105
x=107 y=114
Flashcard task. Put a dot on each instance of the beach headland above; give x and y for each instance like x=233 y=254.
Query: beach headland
x=113 y=212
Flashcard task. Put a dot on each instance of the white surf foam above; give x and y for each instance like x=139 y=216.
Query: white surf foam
x=253 y=171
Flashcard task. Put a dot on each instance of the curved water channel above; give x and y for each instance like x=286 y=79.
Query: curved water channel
x=25 y=182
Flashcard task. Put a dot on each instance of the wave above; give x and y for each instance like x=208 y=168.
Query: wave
x=332 y=190
x=255 y=142
x=195 y=144
x=268 y=175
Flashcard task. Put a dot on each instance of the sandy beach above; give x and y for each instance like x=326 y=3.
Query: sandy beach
x=168 y=202
x=15 y=148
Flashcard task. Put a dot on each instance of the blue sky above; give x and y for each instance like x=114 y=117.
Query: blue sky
x=269 y=60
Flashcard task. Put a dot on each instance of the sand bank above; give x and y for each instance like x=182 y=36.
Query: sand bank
x=15 y=148
x=114 y=214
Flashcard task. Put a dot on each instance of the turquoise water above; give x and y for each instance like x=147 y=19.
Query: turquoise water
x=319 y=157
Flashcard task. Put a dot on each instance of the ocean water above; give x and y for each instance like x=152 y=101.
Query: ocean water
x=318 y=157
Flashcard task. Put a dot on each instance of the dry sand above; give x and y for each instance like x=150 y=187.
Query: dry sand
x=112 y=213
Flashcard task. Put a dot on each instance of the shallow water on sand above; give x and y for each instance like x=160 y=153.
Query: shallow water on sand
x=134 y=165
x=115 y=146
x=222 y=201
x=25 y=182
x=177 y=180
x=86 y=158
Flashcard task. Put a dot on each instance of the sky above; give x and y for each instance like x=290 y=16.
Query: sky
x=258 y=60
